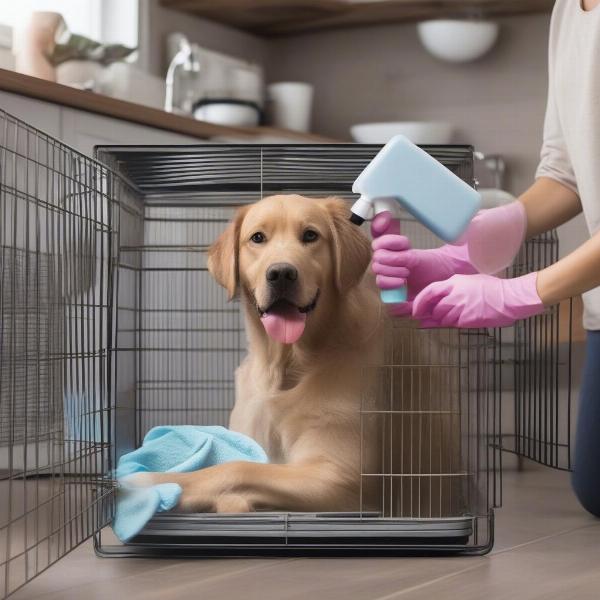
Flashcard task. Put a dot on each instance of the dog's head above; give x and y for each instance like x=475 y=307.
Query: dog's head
x=290 y=255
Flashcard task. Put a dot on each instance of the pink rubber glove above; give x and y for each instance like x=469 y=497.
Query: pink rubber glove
x=489 y=245
x=495 y=236
x=395 y=263
x=477 y=301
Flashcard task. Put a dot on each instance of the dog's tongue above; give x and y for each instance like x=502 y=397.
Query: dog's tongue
x=284 y=323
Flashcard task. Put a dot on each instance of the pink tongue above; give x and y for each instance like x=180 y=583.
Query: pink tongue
x=285 y=325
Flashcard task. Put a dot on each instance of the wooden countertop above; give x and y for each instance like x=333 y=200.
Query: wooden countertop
x=136 y=113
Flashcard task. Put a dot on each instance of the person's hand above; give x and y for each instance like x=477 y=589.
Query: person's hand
x=396 y=264
x=494 y=237
x=477 y=301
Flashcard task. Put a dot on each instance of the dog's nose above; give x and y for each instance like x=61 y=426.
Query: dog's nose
x=279 y=275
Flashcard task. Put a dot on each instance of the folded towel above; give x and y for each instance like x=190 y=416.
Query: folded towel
x=177 y=449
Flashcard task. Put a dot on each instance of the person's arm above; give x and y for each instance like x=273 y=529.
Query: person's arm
x=491 y=243
x=548 y=204
x=576 y=273
x=486 y=301
x=553 y=199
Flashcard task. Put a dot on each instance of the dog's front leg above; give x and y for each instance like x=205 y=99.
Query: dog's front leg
x=246 y=486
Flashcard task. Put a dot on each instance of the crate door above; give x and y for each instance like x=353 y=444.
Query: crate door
x=54 y=338
x=538 y=364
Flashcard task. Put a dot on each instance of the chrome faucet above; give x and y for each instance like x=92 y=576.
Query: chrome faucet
x=186 y=59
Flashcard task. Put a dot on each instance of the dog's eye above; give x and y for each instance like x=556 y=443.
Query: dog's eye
x=310 y=235
x=258 y=237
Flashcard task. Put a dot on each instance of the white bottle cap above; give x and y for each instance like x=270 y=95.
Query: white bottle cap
x=363 y=208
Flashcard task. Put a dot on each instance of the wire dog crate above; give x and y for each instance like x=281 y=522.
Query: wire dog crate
x=111 y=324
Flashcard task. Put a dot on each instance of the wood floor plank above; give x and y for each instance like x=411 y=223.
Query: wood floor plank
x=560 y=567
x=543 y=536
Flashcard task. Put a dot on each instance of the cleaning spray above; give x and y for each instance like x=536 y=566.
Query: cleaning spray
x=402 y=175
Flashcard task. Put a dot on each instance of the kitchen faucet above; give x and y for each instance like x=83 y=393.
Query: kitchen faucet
x=186 y=59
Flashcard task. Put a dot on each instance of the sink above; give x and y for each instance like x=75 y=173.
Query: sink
x=418 y=132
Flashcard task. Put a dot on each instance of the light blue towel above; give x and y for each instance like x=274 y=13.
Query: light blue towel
x=176 y=449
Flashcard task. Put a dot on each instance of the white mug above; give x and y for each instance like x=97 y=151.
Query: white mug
x=290 y=105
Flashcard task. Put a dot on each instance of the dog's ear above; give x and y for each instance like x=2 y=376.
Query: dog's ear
x=223 y=255
x=351 y=248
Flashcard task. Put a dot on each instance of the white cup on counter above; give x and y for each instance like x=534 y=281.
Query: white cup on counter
x=290 y=105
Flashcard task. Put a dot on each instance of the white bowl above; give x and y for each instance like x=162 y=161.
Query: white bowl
x=458 y=41
x=231 y=114
x=418 y=132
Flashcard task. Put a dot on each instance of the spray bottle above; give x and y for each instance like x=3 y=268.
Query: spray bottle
x=402 y=175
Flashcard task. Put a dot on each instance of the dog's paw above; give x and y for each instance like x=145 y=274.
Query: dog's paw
x=232 y=503
x=140 y=480
x=149 y=479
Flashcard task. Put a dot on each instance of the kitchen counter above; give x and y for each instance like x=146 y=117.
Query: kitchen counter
x=49 y=91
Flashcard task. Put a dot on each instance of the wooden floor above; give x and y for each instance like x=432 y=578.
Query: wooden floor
x=547 y=547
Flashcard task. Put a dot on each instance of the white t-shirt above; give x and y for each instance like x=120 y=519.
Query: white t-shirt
x=571 y=148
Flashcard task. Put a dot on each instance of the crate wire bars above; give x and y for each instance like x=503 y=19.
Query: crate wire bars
x=111 y=324
x=55 y=249
x=542 y=368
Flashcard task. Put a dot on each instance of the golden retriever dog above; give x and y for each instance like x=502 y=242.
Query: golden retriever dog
x=314 y=320
x=298 y=266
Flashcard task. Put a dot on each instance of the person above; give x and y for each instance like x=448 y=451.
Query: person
x=450 y=286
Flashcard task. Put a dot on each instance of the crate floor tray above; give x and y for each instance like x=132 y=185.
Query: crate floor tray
x=188 y=529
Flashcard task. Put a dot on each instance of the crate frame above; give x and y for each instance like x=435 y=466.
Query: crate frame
x=257 y=180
